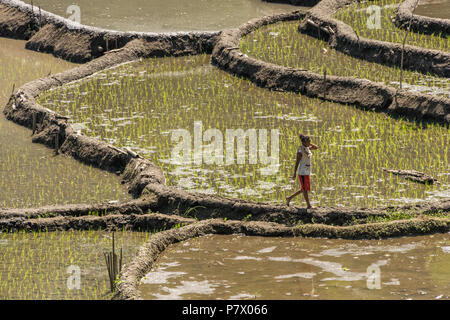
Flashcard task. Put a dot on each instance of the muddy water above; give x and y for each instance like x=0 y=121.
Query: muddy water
x=30 y=174
x=46 y=265
x=165 y=15
x=282 y=44
x=434 y=8
x=239 y=267
x=144 y=105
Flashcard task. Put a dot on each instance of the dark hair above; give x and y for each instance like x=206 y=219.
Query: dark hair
x=304 y=138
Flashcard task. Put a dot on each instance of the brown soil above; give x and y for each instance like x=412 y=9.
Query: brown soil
x=148 y=222
x=413 y=175
x=16 y=24
x=303 y=3
x=362 y=93
x=404 y=16
x=63 y=38
x=146 y=181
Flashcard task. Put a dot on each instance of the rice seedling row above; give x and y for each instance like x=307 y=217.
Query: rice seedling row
x=139 y=105
x=367 y=22
x=282 y=44
x=30 y=174
x=60 y=265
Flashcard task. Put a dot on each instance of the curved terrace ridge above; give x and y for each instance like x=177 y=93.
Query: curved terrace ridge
x=148 y=254
x=360 y=92
x=342 y=37
x=69 y=40
x=405 y=17
x=145 y=180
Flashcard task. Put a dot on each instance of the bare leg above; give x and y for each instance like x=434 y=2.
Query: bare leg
x=305 y=194
x=289 y=198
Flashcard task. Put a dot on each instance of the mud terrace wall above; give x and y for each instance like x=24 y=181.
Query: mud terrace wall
x=343 y=38
x=363 y=93
x=133 y=222
x=303 y=3
x=133 y=272
x=145 y=180
x=404 y=16
x=47 y=32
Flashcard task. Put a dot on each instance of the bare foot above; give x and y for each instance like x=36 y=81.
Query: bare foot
x=310 y=207
x=287 y=201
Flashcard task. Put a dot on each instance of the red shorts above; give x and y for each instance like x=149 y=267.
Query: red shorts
x=304 y=181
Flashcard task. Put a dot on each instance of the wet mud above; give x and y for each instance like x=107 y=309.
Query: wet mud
x=146 y=179
x=405 y=17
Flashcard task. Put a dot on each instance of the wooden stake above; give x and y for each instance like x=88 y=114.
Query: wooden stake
x=34 y=123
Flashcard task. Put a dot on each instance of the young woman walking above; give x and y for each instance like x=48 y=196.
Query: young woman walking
x=303 y=169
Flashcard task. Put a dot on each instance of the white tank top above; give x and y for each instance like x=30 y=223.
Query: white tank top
x=304 y=167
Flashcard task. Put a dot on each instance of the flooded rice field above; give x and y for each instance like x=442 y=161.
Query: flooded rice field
x=434 y=8
x=181 y=112
x=241 y=267
x=61 y=265
x=163 y=15
x=282 y=44
x=215 y=133
x=363 y=18
x=30 y=174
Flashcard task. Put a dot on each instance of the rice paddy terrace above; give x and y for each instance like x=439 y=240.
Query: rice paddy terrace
x=184 y=142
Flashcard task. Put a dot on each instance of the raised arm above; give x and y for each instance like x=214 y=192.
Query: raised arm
x=313 y=146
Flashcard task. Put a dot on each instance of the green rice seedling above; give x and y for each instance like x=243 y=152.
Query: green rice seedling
x=41 y=265
x=113 y=265
x=139 y=106
x=357 y=16
x=282 y=44
x=30 y=175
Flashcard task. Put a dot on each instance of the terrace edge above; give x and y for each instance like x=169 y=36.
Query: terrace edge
x=346 y=90
x=404 y=15
x=146 y=181
x=148 y=254
x=69 y=40
x=340 y=36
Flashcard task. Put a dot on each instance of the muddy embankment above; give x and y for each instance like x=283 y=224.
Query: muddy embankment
x=66 y=39
x=319 y=23
x=362 y=93
x=146 y=181
x=142 y=263
x=404 y=18
x=303 y=3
